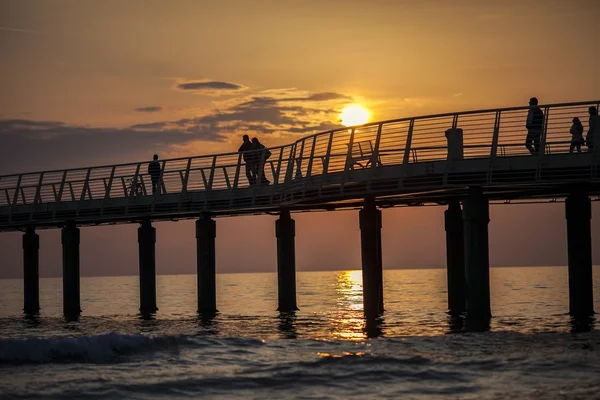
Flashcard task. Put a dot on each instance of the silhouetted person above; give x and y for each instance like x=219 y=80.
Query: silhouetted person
x=249 y=158
x=262 y=153
x=577 y=132
x=592 y=138
x=534 y=124
x=154 y=171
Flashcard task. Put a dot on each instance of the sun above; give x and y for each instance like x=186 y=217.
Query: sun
x=355 y=114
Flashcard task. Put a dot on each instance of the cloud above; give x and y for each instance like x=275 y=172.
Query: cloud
x=41 y=145
x=149 y=109
x=210 y=88
x=282 y=114
x=7 y=29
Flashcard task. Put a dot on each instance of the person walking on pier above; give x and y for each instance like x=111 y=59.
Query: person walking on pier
x=262 y=154
x=534 y=125
x=592 y=139
x=577 y=132
x=248 y=156
x=154 y=171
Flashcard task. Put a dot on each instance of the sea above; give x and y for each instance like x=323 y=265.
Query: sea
x=530 y=349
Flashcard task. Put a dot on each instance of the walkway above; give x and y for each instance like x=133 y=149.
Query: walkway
x=409 y=161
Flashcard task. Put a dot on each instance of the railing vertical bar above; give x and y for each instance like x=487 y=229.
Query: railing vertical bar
x=62 y=186
x=495 y=135
x=86 y=185
x=375 y=161
x=71 y=191
x=204 y=180
x=136 y=177
x=406 y=158
x=212 y=173
x=227 y=182
x=289 y=173
x=108 y=187
x=186 y=178
x=328 y=154
x=350 y=149
x=38 y=190
x=238 y=167
x=278 y=170
x=312 y=155
x=299 y=160
x=16 y=196
x=161 y=189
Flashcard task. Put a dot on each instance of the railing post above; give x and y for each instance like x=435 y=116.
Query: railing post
x=495 y=135
x=238 y=167
x=62 y=186
x=107 y=187
x=134 y=181
x=312 y=154
x=17 y=190
x=289 y=173
x=328 y=154
x=349 y=153
x=86 y=185
x=211 y=177
x=299 y=164
x=375 y=154
x=187 y=175
x=160 y=184
x=38 y=190
x=408 y=142
x=278 y=170
x=544 y=132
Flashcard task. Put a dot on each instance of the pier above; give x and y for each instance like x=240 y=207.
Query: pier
x=463 y=161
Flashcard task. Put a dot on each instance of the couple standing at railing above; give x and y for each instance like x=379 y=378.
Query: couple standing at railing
x=535 y=126
x=255 y=154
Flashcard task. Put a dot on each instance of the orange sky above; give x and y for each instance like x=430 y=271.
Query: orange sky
x=115 y=81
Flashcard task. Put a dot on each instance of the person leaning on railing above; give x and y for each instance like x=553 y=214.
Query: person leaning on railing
x=591 y=139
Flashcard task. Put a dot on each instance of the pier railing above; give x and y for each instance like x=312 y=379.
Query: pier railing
x=486 y=134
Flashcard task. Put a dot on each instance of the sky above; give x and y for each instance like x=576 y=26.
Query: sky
x=98 y=82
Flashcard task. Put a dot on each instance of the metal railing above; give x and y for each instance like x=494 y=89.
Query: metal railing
x=487 y=134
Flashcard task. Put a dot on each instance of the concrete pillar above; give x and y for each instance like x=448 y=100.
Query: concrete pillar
x=70 y=248
x=477 y=264
x=372 y=270
x=206 y=232
x=579 y=247
x=455 y=258
x=31 y=278
x=147 y=244
x=285 y=230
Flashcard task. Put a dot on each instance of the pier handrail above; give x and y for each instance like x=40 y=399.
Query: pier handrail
x=488 y=133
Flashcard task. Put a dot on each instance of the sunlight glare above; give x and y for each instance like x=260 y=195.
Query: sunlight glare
x=355 y=114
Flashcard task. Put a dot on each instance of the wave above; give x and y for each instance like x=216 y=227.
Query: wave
x=94 y=349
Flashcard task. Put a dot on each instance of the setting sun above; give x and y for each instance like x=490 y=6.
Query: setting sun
x=355 y=114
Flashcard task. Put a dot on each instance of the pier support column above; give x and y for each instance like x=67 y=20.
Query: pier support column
x=31 y=277
x=147 y=245
x=206 y=232
x=372 y=269
x=70 y=249
x=455 y=258
x=285 y=230
x=579 y=247
x=476 y=216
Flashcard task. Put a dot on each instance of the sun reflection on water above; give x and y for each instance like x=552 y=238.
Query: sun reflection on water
x=347 y=319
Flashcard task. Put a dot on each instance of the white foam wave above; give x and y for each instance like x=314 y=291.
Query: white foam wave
x=96 y=348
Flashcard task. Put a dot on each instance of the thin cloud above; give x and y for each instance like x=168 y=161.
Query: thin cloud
x=210 y=88
x=149 y=109
x=7 y=29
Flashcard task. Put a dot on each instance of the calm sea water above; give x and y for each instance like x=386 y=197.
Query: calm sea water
x=532 y=348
